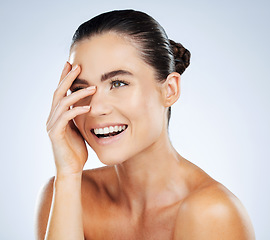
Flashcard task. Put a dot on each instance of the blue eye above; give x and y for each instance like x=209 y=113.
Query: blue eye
x=118 y=83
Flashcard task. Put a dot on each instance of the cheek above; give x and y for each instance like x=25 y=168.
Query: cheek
x=135 y=102
x=144 y=108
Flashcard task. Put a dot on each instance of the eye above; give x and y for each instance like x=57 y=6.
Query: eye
x=74 y=89
x=118 y=83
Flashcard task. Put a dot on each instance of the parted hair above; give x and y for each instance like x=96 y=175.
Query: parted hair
x=151 y=40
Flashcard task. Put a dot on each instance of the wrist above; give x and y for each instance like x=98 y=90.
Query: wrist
x=68 y=177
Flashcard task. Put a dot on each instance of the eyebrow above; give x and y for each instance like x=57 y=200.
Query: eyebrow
x=112 y=74
x=104 y=76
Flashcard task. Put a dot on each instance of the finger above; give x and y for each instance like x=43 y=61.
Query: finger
x=63 y=87
x=74 y=97
x=69 y=78
x=66 y=102
x=59 y=127
x=66 y=83
x=66 y=70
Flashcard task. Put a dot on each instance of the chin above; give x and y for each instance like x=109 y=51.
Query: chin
x=110 y=159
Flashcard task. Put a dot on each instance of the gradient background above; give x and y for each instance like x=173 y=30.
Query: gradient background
x=221 y=121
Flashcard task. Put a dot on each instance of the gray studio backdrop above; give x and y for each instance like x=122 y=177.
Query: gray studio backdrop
x=220 y=123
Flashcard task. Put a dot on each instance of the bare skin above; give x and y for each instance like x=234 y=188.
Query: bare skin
x=148 y=191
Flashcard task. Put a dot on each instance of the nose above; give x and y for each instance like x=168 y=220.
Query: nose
x=99 y=104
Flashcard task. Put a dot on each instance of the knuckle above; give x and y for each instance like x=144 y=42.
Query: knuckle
x=47 y=128
x=62 y=103
x=51 y=134
x=54 y=133
x=66 y=115
x=56 y=92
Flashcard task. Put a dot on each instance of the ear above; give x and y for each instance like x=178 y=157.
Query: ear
x=171 y=89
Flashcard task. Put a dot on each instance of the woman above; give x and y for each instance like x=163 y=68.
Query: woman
x=124 y=76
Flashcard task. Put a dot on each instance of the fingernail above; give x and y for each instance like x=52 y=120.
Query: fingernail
x=87 y=107
x=91 y=88
x=74 y=67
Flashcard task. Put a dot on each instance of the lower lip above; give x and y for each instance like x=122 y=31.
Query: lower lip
x=109 y=140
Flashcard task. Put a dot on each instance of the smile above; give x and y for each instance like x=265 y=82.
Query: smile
x=109 y=131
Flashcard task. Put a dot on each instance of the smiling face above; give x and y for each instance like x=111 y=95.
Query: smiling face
x=127 y=95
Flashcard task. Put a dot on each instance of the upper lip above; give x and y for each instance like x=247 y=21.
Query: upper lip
x=103 y=125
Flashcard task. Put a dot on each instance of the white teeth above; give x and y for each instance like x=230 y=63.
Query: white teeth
x=109 y=129
x=106 y=130
x=100 y=131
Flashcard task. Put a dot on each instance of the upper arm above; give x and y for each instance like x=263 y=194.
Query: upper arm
x=213 y=215
x=44 y=201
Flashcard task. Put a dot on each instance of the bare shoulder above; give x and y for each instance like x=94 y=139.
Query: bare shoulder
x=92 y=182
x=213 y=212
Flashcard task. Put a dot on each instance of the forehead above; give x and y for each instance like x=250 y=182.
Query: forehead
x=107 y=52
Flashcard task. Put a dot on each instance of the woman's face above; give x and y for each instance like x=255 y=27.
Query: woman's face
x=127 y=95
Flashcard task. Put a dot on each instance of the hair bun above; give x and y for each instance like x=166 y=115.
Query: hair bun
x=181 y=56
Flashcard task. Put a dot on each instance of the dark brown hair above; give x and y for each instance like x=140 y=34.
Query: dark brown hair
x=164 y=55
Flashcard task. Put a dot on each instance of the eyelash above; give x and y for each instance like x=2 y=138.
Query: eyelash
x=76 y=89
x=111 y=82
x=118 y=81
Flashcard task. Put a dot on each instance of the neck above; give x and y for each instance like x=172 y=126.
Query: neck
x=151 y=179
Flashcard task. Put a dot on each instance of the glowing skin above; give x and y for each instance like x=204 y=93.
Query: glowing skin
x=138 y=104
x=151 y=192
